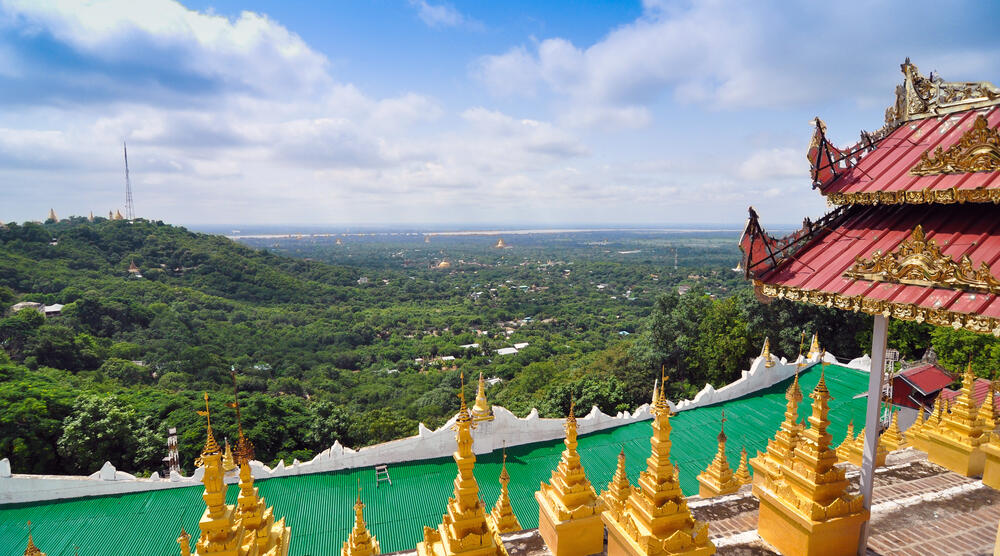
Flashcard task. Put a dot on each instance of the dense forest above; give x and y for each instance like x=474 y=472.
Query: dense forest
x=360 y=337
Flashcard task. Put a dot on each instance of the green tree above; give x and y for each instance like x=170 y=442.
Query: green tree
x=100 y=428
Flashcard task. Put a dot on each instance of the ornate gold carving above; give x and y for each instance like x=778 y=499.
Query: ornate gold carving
x=921 y=97
x=918 y=197
x=977 y=151
x=919 y=261
x=905 y=311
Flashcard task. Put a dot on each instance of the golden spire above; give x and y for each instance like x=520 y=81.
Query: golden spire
x=228 y=464
x=742 y=474
x=765 y=352
x=986 y=415
x=502 y=517
x=717 y=478
x=91 y=217
x=211 y=446
x=814 y=348
x=361 y=542
x=892 y=438
x=244 y=448
x=463 y=529
x=568 y=507
x=782 y=446
x=184 y=540
x=809 y=489
x=802 y=339
x=482 y=411
x=31 y=549
x=619 y=489
x=843 y=449
x=52 y=215
x=956 y=442
x=656 y=518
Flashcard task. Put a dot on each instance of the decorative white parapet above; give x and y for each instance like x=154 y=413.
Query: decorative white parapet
x=505 y=429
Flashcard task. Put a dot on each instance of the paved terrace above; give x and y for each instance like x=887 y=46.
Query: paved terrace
x=319 y=508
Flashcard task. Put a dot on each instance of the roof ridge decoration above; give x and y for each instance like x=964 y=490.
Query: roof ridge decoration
x=918 y=261
x=921 y=97
x=978 y=150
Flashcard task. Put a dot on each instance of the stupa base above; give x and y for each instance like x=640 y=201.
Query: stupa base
x=621 y=544
x=991 y=467
x=571 y=537
x=963 y=459
x=792 y=533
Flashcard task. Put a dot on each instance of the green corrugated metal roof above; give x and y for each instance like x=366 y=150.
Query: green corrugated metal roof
x=319 y=507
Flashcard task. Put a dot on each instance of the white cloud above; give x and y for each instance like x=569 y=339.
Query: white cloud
x=775 y=163
x=442 y=15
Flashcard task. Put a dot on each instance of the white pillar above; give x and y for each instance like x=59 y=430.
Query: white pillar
x=879 y=333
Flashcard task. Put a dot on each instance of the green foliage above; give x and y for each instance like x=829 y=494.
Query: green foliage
x=957 y=348
x=100 y=428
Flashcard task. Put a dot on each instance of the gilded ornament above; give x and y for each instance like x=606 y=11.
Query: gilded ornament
x=919 y=261
x=977 y=151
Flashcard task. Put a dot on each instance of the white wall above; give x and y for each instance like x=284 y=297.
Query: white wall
x=505 y=429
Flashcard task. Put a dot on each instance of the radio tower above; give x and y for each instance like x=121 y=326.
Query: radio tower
x=129 y=207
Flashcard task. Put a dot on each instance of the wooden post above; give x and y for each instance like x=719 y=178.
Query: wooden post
x=879 y=333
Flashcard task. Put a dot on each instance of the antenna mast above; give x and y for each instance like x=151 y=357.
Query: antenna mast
x=129 y=207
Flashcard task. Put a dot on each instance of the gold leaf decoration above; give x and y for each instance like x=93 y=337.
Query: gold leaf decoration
x=919 y=261
x=977 y=151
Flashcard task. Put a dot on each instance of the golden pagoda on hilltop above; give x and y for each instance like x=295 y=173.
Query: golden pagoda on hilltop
x=502 y=518
x=361 y=542
x=655 y=519
x=569 y=511
x=118 y=215
x=718 y=478
x=956 y=441
x=805 y=509
x=52 y=215
x=228 y=462
x=244 y=529
x=463 y=529
x=781 y=447
x=482 y=410
x=500 y=244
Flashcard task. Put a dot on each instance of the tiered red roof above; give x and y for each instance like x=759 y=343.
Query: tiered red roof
x=917 y=230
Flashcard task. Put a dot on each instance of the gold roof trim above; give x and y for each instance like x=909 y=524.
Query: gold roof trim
x=977 y=151
x=903 y=311
x=947 y=196
x=919 y=261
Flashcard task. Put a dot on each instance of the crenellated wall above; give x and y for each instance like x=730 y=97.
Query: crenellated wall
x=505 y=428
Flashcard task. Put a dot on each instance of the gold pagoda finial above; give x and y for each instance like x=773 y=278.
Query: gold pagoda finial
x=360 y=542
x=743 y=471
x=619 y=489
x=722 y=428
x=244 y=448
x=766 y=353
x=184 y=540
x=502 y=517
x=211 y=446
x=31 y=549
x=482 y=411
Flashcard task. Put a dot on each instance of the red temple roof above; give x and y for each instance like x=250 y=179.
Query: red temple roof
x=927 y=378
x=918 y=230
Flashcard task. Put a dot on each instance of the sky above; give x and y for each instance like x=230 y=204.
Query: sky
x=444 y=114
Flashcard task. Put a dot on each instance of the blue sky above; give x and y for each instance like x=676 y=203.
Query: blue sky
x=427 y=112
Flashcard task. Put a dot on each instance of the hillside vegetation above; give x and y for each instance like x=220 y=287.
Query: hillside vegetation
x=361 y=342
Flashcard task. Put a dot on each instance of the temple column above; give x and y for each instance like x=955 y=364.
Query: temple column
x=880 y=331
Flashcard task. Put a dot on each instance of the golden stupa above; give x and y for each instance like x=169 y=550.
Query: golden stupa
x=482 y=410
x=718 y=479
x=569 y=511
x=463 y=529
x=656 y=519
x=361 y=542
x=781 y=447
x=955 y=442
x=805 y=509
x=502 y=518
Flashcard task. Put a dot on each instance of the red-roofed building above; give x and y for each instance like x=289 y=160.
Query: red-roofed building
x=919 y=386
x=916 y=233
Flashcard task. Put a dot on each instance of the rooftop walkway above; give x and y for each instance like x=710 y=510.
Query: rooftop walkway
x=319 y=508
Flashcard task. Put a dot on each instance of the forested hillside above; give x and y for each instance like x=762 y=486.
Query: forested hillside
x=360 y=342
